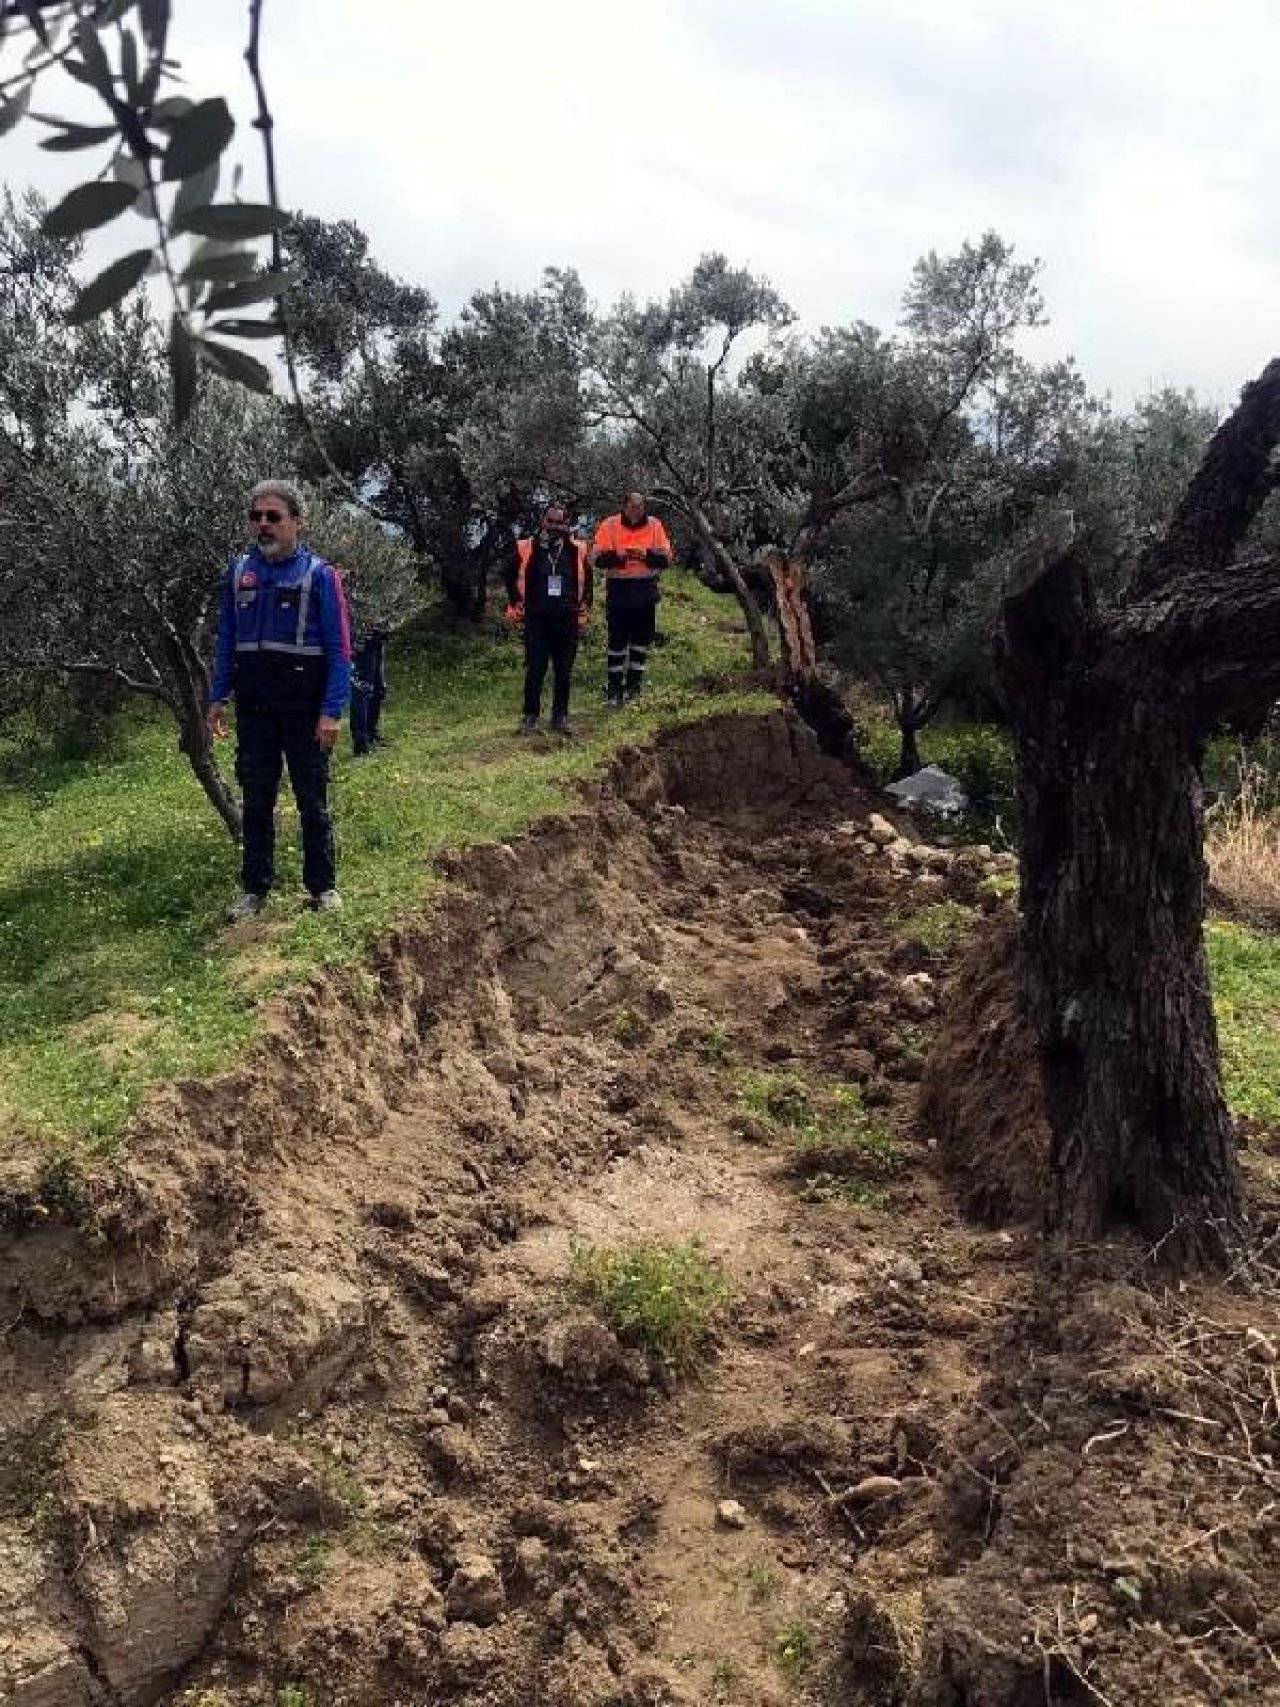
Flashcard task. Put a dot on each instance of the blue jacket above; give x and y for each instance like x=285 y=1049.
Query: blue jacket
x=284 y=638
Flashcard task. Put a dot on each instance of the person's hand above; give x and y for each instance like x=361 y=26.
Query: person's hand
x=513 y=616
x=584 y=617
x=327 y=732
x=655 y=559
x=216 y=719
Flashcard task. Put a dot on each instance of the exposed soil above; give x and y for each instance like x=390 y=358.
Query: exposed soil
x=299 y=1408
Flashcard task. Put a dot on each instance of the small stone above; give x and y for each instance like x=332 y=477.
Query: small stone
x=918 y=981
x=475 y=1593
x=731 y=1515
x=858 y=1065
x=465 y=1652
x=749 y=1129
x=872 y=1488
x=881 y=831
x=437 y=1418
x=532 y=1556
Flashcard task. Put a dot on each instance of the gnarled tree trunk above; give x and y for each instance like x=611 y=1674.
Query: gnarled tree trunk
x=817 y=702
x=1112 y=710
x=196 y=744
x=720 y=555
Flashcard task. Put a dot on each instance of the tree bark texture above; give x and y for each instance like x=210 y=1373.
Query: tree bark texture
x=817 y=702
x=720 y=555
x=1112 y=710
x=198 y=747
x=909 y=761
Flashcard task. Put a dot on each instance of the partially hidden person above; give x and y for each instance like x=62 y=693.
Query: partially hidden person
x=633 y=549
x=549 y=596
x=284 y=653
x=368 y=690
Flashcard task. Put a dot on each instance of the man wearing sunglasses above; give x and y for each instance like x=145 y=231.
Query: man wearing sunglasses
x=284 y=649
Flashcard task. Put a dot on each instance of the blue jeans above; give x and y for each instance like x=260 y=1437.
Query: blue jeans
x=267 y=741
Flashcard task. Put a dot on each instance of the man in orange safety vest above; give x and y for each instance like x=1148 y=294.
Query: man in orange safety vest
x=633 y=549
x=549 y=588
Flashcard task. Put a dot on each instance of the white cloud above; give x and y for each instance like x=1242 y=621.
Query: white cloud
x=1129 y=143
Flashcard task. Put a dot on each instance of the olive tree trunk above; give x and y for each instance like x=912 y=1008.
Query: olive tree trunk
x=1112 y=710
x=817 y=702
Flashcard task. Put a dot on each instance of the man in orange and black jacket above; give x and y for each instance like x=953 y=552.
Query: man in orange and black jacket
x=633 y=549
x=549 y=589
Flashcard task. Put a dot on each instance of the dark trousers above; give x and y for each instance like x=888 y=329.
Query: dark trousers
x=266 y=741
x=549 y=638
x=632 y=611
x=362 y=716
x=368 y=690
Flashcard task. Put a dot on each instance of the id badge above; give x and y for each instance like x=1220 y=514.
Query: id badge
x=555 y=586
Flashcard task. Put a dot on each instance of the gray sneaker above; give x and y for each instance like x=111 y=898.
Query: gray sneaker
x=248 y=906
x=528 y=726
x=329 y=902
x=561 y=726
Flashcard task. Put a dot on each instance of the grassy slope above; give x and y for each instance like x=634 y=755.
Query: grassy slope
x=114 y=972
x=113 y=969
x=1246 y=984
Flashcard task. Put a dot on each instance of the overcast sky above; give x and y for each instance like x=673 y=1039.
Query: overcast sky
x=1133 y=145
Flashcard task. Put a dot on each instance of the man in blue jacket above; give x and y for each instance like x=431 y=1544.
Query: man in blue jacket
x=284 y=650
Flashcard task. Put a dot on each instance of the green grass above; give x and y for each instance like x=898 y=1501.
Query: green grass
x=665 y=1297
x=1246 y=986
x=314 y=1557
x=29 y=1469
x=939 y=927
x=716 y=1047
x=779 y=1099
x=114 y=969
x=836 y=1148
x=794 y=1648
x=339 y=1482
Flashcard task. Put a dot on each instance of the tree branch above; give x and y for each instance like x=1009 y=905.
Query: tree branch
x=112 y=672
x=1219 y=635
x=1048 y=616
x=1229 y=488
x=264 y=123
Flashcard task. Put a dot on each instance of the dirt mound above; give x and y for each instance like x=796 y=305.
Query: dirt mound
x=981 y=1095
x=1116 y=1488
x=346 y=1432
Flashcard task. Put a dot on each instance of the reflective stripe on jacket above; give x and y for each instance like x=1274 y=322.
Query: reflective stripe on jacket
x=294 y=611
x=615 y=535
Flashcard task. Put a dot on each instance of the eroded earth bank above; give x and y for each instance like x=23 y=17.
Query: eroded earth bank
x=300 y=1407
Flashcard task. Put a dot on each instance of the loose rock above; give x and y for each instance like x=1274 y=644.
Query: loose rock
x=475 y=1593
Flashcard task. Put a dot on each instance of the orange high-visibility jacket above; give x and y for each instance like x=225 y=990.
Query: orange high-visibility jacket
x=613 y=534
x=524 y=556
